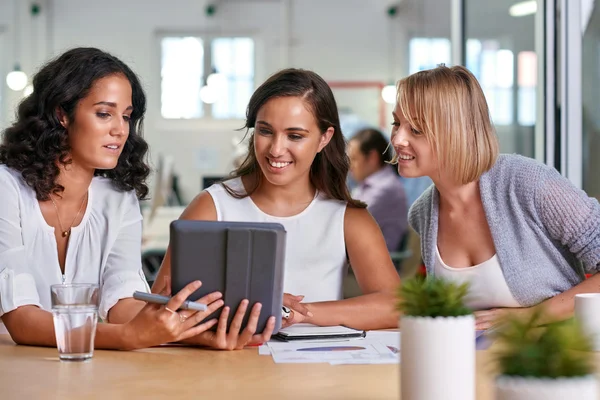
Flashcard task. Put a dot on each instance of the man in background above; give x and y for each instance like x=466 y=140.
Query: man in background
x=378 y=184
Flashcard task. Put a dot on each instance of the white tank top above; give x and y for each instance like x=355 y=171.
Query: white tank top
x=488 y=288
x=315 y=254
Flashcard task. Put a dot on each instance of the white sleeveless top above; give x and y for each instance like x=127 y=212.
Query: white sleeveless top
x=315 y=254
x=488 y=288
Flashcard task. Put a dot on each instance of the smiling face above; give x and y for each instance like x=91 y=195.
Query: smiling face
x=287 y=139
x=415 y=155
x=100 y=125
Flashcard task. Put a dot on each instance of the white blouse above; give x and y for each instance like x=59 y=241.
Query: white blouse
x=105 y=248
x=315 y=251
x=487 y=286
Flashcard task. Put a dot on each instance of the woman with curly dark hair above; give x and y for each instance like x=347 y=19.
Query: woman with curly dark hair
x=72 y=168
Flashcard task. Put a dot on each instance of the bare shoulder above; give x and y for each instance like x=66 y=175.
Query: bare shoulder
x=363 y=237
x=201 y=208
x=356 y=220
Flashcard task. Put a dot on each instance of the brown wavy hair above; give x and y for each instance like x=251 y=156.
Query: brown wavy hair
x=36 y=144
x=329 y=169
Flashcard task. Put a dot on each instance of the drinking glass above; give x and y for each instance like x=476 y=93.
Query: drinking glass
x=75 y=311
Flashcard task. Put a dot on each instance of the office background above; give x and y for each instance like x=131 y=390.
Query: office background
x=538 y=62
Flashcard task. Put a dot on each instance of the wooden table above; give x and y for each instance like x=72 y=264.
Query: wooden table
x=179 y=373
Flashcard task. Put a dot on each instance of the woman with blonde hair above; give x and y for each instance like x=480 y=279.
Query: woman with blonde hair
x=520 y=233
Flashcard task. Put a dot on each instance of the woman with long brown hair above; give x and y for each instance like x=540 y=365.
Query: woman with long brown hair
x=295 y=175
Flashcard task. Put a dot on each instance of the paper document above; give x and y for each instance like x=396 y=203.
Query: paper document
x=355 y=351
x=263 y=350
x=378 y=347
x=389 y=338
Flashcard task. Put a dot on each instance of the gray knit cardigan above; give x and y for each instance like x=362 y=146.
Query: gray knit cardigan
x=546 y=231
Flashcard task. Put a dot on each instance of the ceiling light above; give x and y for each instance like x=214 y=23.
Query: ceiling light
x=389 y=94
x=523 y=8
x=28 y=90
x=217 y=80
x=16 y=79
x=208 y=94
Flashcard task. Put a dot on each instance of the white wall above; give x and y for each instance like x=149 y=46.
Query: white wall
x=340 y=39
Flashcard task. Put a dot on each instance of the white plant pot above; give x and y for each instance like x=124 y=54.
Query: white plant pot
x=438 y=358
x=521 y=388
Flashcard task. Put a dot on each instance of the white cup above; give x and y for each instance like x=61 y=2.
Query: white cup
x=587 y=312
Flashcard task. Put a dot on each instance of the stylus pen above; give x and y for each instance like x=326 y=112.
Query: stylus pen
x=159 y=299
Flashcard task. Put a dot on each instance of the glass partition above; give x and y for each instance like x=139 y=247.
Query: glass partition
x=501 y=52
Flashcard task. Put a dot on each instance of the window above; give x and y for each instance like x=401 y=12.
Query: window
x=527 y=81
x=494 y=69
x=234 y=59
x=3 y=104
x=428 y=53
x=182 y=71
x=206 y=76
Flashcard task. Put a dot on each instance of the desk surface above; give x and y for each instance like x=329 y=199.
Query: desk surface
x=179 y=373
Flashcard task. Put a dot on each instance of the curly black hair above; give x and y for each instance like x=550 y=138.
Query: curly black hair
x=37 y=142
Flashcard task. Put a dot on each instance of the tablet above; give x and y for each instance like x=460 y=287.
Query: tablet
x=242 y=260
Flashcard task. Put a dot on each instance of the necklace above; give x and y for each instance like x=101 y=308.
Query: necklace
x=67 y=232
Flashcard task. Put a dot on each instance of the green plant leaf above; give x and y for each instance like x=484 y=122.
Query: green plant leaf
x=432 y=297
x=559 y=349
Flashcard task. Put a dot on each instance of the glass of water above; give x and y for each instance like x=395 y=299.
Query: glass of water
x=75 y=311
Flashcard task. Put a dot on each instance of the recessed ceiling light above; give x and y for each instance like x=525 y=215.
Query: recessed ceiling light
x=523 y=8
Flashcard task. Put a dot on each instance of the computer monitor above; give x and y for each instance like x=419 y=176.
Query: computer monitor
x=163 y=184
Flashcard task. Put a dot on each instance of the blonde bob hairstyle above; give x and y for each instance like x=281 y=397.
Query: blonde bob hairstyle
x=448 y=106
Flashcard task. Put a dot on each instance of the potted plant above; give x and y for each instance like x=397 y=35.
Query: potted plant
x=550 y=362
x=437 y=340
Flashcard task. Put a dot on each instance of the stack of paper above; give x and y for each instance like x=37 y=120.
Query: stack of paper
x=376 y=348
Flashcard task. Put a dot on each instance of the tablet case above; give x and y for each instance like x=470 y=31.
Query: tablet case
x=242 y=260
x=285 y=337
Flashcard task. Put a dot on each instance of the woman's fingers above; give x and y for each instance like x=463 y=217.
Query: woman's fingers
x=209 y=298
x=302 y=309
x=293 y=302
x=222 y=327
x=176 y=301
x=212 y=307
x=196 y=330
x=195 y=317
x=238 y=318
x=265 y=336
x=483 y=326
x=212 y=301
x=285 y=322
x=485 y=319
x=250 y=328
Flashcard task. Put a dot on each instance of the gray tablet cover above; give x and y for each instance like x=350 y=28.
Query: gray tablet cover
x=242 y=260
